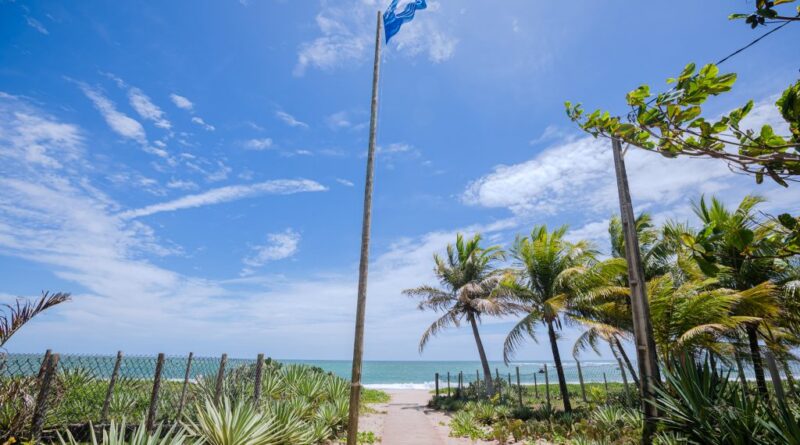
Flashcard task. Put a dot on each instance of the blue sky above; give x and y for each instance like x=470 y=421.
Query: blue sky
x=193 y=172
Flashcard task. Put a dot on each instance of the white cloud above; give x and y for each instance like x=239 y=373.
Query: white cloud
x=37 y=25
x=347 y=32
x=181 y=185
x=290 y=120
x=258 y=144
x=120 y=123
x=339 y=120
x=227 y=194
x=181 y=102
x=279 y=246
x=32 y=137
x=199 y=121
x=147 y=109
x=345 y=182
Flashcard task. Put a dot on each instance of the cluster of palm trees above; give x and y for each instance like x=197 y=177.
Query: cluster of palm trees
x=723 y=289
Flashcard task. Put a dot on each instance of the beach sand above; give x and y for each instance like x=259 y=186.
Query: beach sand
x=406 y=420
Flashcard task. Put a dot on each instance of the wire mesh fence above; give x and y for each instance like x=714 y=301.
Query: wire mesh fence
x=40 y=392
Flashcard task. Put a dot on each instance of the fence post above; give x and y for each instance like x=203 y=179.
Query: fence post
x=477 y=376
x=448 y=383
x=625 y=384
x=547 y=386
x=220 y=378
x=43 y=368
x=40 y=409
x=499 y=382
x=776 y=377
x=580 y=380
x=437 y=385
x=519 y=388
x=182 y=401
x=509 y=381
x=535 y=386
x=257 y=383
x=605 y=381
x=461 y=383
x=152 y=412
x=110 y=392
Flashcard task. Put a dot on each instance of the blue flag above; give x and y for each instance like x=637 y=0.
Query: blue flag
x=392 y=21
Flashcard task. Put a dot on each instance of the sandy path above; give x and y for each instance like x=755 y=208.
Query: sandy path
x=408 y=421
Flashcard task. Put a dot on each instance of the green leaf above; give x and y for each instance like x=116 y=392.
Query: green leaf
x=787 y=221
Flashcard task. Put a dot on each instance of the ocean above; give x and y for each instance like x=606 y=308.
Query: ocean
x=376 y=374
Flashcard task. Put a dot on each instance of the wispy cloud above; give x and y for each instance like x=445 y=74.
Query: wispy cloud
x=345 y=182
x=227 y=194
x=258 y=144
x=279 y=246
x=347 y=30
x=147 y=109
x=199 y=121
x=290 y=120
x=119 y=122
x=37 y=25
x=181 y=102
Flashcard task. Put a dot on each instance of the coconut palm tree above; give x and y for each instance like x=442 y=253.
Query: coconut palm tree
x=548 y=272
x=739 y=250
x=467 y=279
x=13 y=317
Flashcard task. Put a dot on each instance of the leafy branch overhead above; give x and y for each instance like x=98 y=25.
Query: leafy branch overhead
x=671 y=123
x=766 y=12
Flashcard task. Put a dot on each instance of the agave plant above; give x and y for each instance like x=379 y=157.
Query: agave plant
x=236 y=423
x=116 y=435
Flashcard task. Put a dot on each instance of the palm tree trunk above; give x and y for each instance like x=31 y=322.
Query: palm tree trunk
x=627 y=362
x=487 y=372
x=755 y=356
x=562 y=382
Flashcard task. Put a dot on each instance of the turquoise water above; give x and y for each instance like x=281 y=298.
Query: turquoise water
x=378 y=374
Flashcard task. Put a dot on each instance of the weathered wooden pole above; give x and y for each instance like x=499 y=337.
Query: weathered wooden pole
x=547 y=386
x=220 y=383
x=776 y=377
x=110 y=391
x=152 y=411
x=40 y=409
x=185 y=389
x=499 y=382
x=519 y=388
x=535 y=386
x=605 y=382
x=509 y=381
x=580 y=380
x=436 y=379
x=257 y=383
x=646 y=356
x=448 y=383
x=363 y=267
x=45 y=363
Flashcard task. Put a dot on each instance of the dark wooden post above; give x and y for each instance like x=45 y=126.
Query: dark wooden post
x=185 y=388
x=437 y=384
x=605 y=382
x=547 y=386
x=519 y=388
x=499 y=382
x=477 y=376
x=45 y=362
x=580 y=380
x=535 y=386
x=152 y=412
x=110 y=391
x=40 y=409
x=448 y=383
x=644 y=340
x=220 y=378
x=257 y=384
x=509 y=381
x=776 y=377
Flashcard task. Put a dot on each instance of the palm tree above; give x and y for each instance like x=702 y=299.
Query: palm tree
x=468 y=279
x=736 y=247
x=547 y=271
x=12 y=318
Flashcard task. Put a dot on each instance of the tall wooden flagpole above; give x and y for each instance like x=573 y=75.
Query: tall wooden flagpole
x=358 y=343
x=640 y=307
